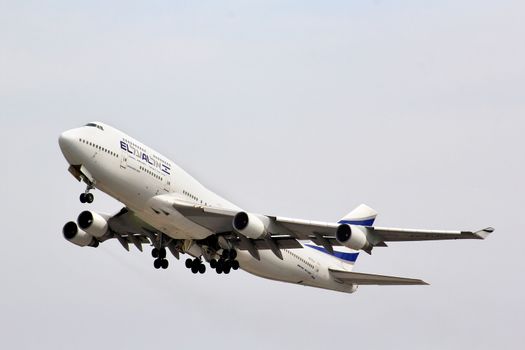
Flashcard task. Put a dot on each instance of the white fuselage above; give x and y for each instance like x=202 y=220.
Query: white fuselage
x=135 y=174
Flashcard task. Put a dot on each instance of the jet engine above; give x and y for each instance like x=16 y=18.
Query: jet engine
x=94 y=224
x=249 y=225
x=353 y=237
x=77 y=236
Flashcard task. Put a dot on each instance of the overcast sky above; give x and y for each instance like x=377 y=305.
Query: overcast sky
x=296 y=108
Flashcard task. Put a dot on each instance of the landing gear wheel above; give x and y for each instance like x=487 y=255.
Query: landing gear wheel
x=82 y=198
x=195 y=269
x=157 y=263
x=235 y=265
x=220 y=266
x=225 y=254
x=189 y=263
x=232 y=254
x=89 y=197
x=162 y=253
x=155 y=253
x=213 y=263
x=164 y=264
x=202 y=269
x=227 y=269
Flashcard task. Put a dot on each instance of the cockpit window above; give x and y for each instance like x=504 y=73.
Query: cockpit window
x=95 y=126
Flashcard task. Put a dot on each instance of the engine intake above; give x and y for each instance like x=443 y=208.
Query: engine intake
x=94 y=224
x=249 y=225
x=77 y=236
x=353 y=237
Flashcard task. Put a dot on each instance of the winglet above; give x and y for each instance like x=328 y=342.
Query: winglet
x=482 y=234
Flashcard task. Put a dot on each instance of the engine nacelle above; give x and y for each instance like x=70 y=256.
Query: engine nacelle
x=249 y=225
x=353 y=237
x=77 y=236
x=94 y=224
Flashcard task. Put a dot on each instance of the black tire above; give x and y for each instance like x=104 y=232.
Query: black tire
x=233 y=254
x=227 y=269
x=196 y=262
x=202 y=268
x=235 y=265
x=155 y=253
x=189 y=263
x=157 y=263
x=227 y=265
x=82 y=198
x=90 y=198
x=164 y=264
x=162 y=253
x=218 y=269
x=195 y=269
x=225 y=254
x=213 y=263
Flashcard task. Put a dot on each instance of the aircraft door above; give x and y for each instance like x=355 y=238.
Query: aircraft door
x=124 y=159
x=167 y=185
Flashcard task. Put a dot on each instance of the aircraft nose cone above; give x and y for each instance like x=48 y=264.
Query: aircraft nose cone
x=67 y=142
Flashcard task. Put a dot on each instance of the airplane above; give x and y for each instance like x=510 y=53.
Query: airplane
x=169 y=210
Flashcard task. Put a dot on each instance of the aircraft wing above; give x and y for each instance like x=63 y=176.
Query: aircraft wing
x=287 y=231
x=369 y=279
x=219 y=220
x=128 y=229
x=386 y=234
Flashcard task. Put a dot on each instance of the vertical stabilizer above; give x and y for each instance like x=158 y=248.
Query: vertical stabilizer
x=363 y=215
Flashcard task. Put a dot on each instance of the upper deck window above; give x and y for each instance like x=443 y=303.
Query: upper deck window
x=95 y=126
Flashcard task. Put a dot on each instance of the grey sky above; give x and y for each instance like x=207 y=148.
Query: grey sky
x=297 y=108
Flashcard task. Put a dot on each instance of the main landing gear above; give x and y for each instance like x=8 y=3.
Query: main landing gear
x=160 y=258
x=87 y=197
x=195 y=265
x=226 y=262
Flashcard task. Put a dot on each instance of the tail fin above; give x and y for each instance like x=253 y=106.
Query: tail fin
x=363 y=215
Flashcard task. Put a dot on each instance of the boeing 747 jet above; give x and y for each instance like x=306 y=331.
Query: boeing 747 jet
x=169 y=210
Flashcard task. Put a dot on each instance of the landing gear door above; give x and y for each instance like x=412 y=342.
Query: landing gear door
x=124 y=159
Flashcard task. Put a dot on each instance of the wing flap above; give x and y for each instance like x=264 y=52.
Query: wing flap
x=282 y=242
x=370 y=279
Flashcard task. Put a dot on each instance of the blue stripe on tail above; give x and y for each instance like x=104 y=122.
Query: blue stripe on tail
x=365 y=222
x=350 y=257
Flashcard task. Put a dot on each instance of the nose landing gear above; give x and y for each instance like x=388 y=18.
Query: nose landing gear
x=87 y=197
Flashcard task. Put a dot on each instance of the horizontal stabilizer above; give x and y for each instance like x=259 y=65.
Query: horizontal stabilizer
x=378 y=280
